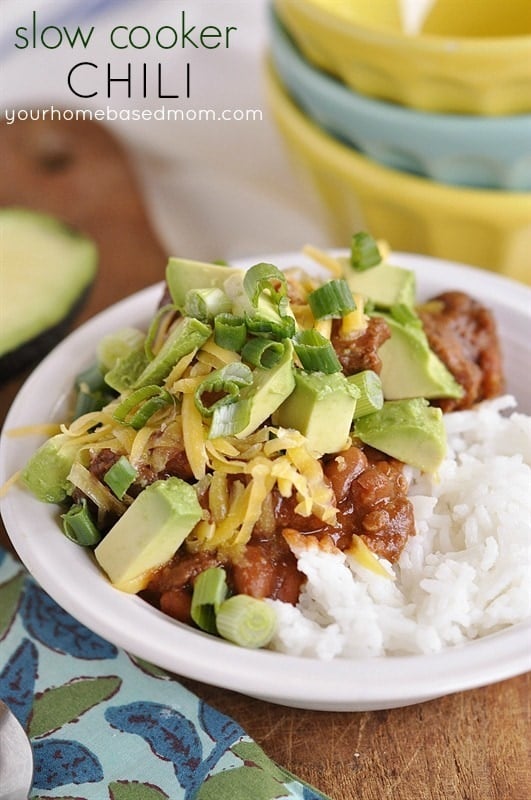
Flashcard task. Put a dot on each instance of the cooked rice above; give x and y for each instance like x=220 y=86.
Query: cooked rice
x=466 y=573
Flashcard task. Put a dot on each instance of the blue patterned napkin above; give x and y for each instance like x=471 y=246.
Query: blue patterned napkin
x=106 y=725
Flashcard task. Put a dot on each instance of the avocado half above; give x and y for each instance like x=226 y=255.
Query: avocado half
x=46 y=269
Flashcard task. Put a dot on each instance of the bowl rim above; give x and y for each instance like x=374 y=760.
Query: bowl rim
x=283 y=679
x=423 y=43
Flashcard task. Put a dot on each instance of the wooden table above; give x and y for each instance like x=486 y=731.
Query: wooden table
x=469 y=746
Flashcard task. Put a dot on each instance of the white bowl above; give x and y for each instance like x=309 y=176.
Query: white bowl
x=71 y=577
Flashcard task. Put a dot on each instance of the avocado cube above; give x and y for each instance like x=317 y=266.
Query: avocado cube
x=410 y=368
x=46 y=473
x=187 y=335
x=147 y=535
x=321 y=407
x=385 y=285
x=409 y=430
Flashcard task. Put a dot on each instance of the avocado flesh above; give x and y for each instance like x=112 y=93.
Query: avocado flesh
x=409 y=430
x=270 y=387
x=148 y=534
x=385 y=285
x=187 y=335
x=46 y=473
x=47 y=269
x=182 y=275
x=410 y=368
x=321 y=407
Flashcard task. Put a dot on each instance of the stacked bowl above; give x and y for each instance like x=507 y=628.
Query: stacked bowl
x=424 y=139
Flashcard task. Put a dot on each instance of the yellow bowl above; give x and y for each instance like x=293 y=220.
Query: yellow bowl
x=490 y=229
x=470 y=57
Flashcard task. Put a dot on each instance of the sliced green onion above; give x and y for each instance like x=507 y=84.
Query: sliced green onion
x=210 y=590
x=315 y=352
x=371 y=394
x=120 y=476
x=154 y=329
x=364 y=252
x=230 y=332
x=246 y=621
x=93 y=393
x=332 y=299
x=282 y=328
x=205 y=304
x=225 y=384
x=140 y=405
x=262 y=352
x=266 y=279
x=91 y=379
x=79 y=527
x=405 y=315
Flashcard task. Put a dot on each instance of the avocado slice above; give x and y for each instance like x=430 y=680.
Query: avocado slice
x=47 y=269
x=188 y=334
x=46 y=473
x=410 y=368
x=147 y=535
x=257 y=402
x=409 y=430
x=385 y=285
x=183 y=274
x=321 y=407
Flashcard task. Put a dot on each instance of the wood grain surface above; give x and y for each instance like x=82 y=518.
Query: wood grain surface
x=468 y=746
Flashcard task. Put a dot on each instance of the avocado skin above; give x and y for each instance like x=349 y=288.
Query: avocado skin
x=31 y=352
x=409 y=430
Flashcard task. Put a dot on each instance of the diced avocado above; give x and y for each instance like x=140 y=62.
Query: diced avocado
x=188 y=334
x=147 y=535
x=119 y=344
x=321 y=407
x=410 y=368
x=47 y=269
x=410 y=430
x=46 y=473
x=270 y=387
x=183 y=275
x=127 y=370
x=385 y=285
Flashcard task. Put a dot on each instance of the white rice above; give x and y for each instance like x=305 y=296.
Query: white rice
x=465 y=574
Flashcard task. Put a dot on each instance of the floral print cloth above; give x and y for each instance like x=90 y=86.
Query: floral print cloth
x=106 y=725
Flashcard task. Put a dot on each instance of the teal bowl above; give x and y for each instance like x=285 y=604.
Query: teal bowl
x=463 y=150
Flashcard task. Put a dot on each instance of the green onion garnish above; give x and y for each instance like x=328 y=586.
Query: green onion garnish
x=246 y=621
x=364 y=252
x=154 y=328
x=230 y=332
x=79 y=527
x=331 y=300
x=92 y=391
x=120 y=476
x=371 y=394
x=283 y=328
x=210 y=590
x=262 y=352
x=269 y=280
x=206 y=304
x=140 y=405
x=316 y=352
x=224 y=386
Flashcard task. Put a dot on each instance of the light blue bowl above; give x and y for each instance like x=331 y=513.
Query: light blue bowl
x=474 y=151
